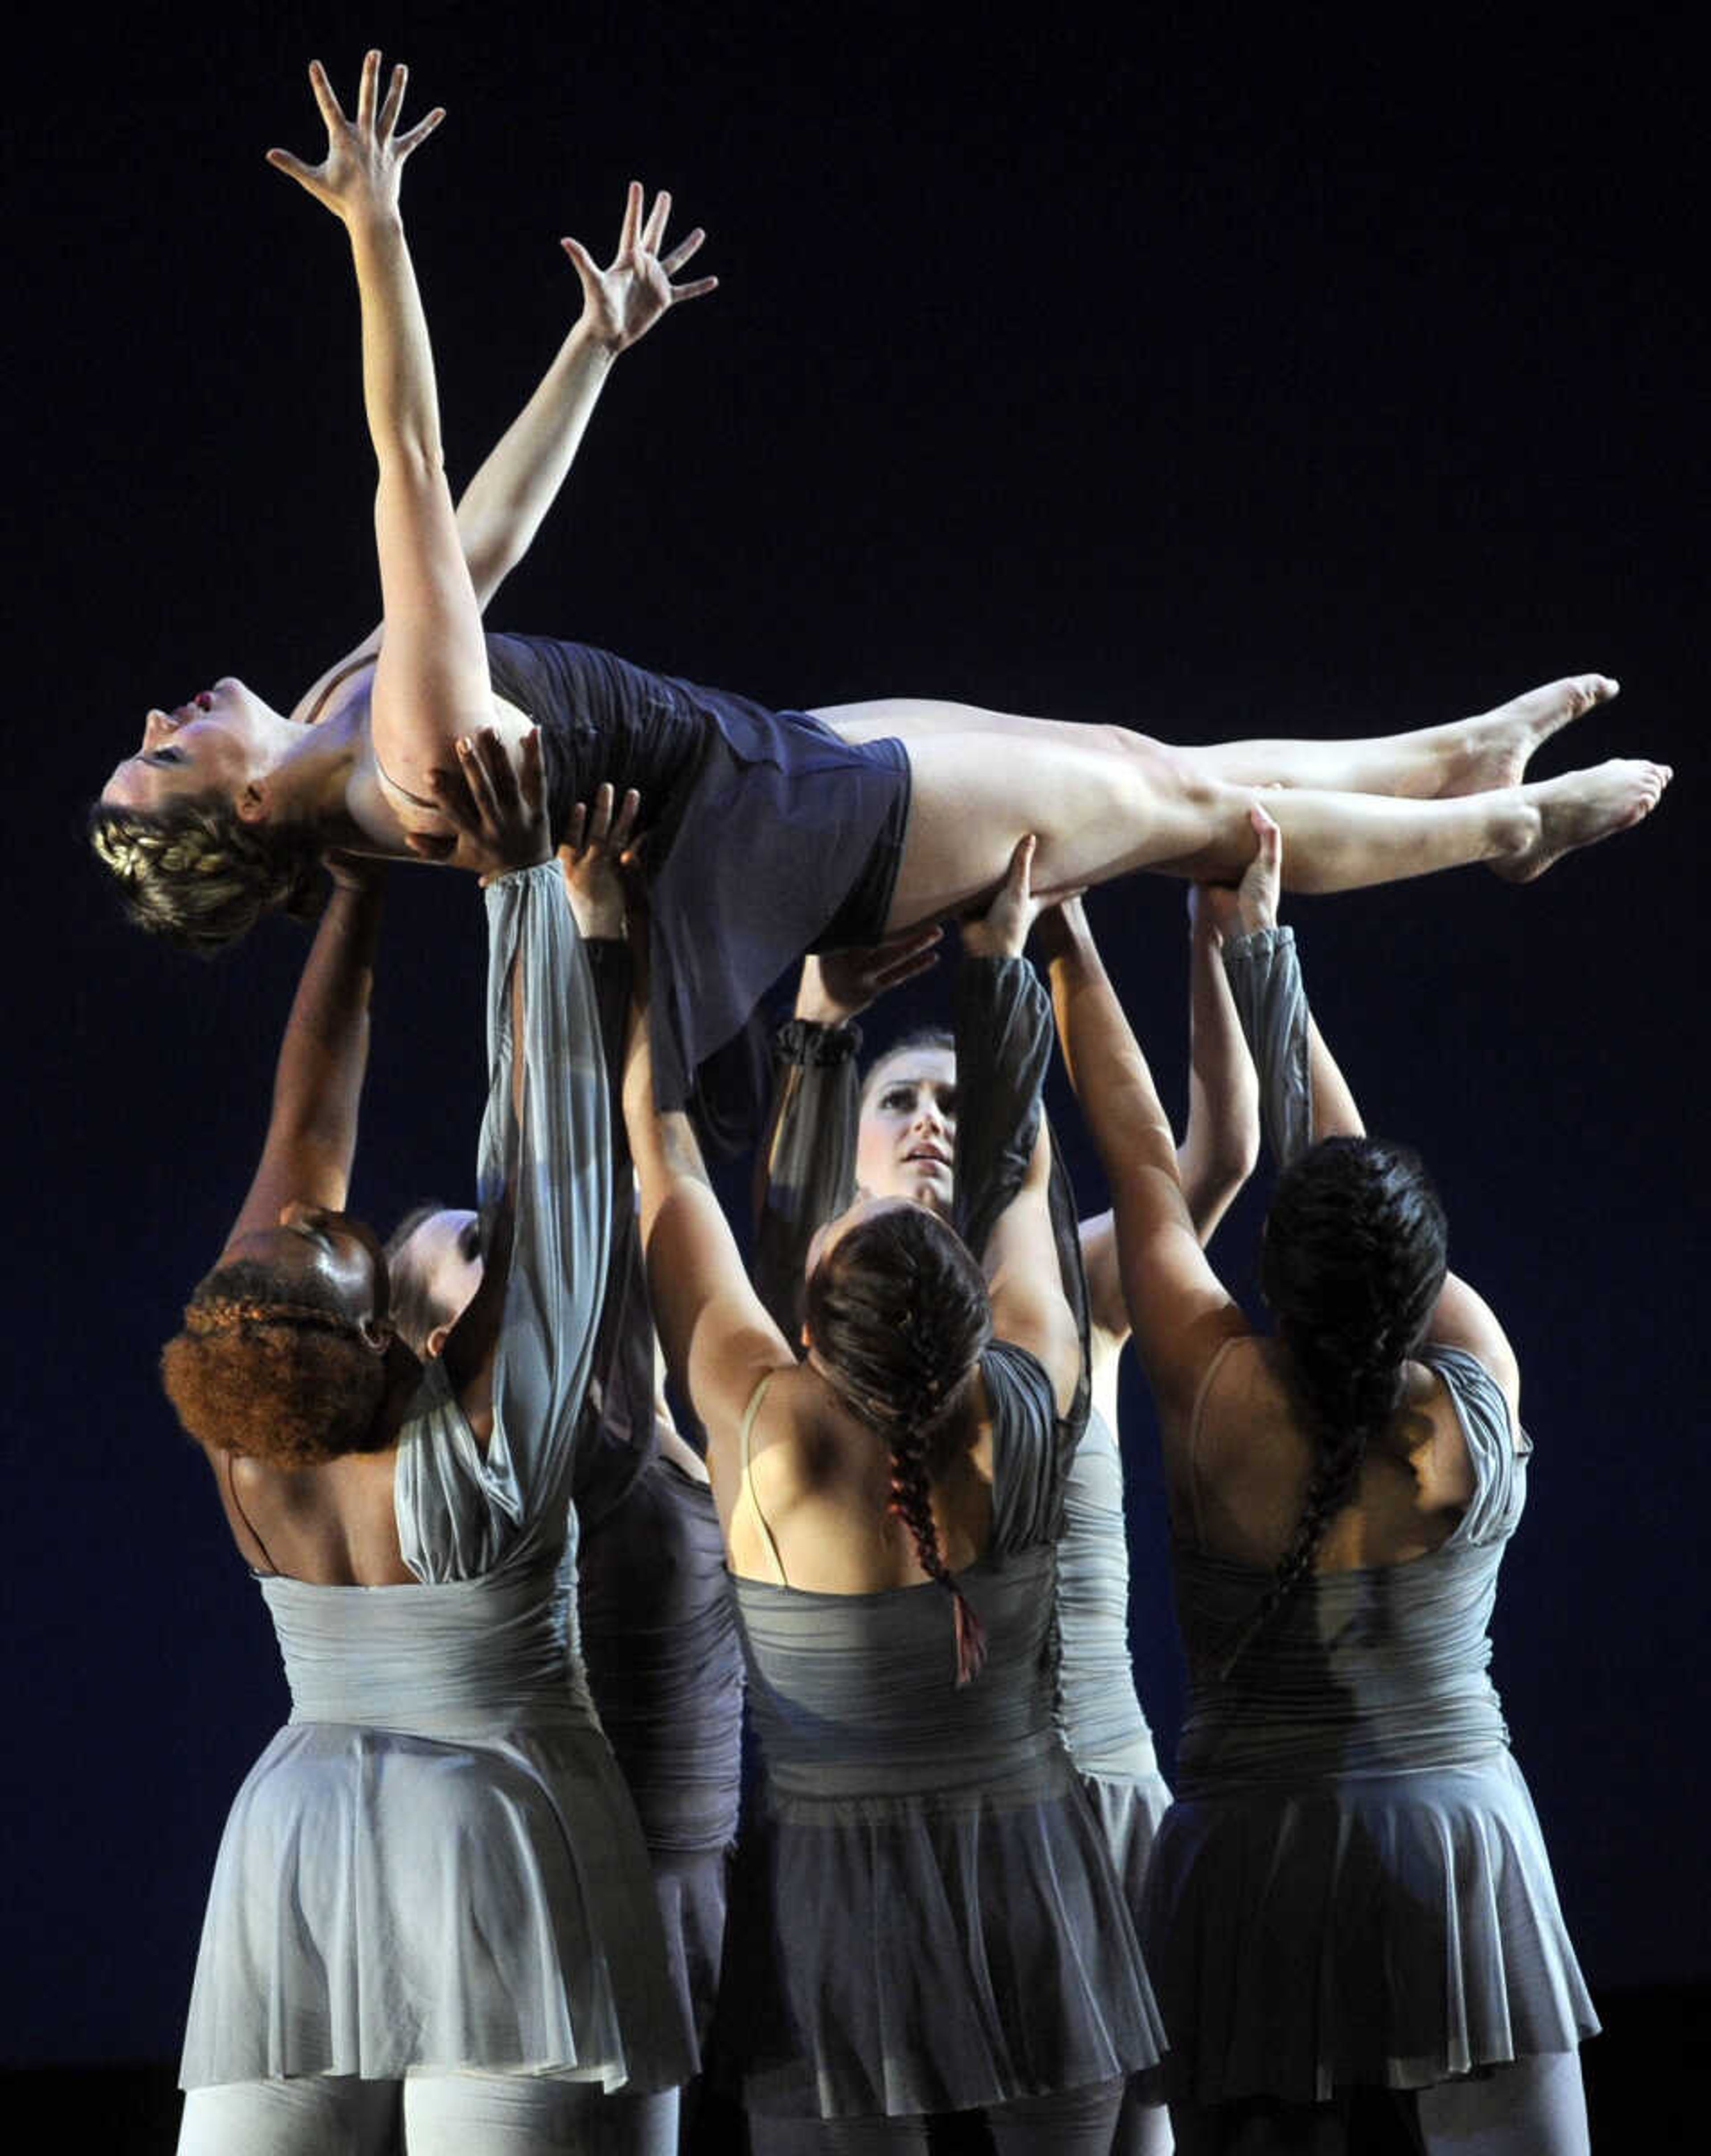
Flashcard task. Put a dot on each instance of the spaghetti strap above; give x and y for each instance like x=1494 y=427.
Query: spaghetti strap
x=273 y=1570
x=750 y=1413
x=1201 y=1393
x=345 y=672
x=416 y=800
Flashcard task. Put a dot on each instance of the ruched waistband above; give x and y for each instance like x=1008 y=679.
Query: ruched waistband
x=444 y=1661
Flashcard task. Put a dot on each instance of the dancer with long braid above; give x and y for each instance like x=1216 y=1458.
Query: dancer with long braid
x=928 y=1920
x=773 y=832
x=1350 y=1910
x=896 y=1134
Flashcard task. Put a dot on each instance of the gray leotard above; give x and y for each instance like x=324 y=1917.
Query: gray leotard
x=435 y=1864
x=932 y=1921
x=1006 y=1019
x=1351 y=1887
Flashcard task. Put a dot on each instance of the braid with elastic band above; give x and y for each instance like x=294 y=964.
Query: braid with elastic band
x=898 y=1312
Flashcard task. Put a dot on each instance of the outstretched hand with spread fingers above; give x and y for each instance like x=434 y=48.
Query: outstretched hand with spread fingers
x=359 y=175
x=593 y=859
x=623 y=301
x=495 y=801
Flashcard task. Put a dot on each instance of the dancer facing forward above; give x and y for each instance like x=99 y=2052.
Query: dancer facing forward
x=897 y=1136
x=773 y=832
x=431 y=1895
x=1350 y=1910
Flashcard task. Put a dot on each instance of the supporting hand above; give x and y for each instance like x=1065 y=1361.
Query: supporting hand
x=1256 y=894
x=593 y=858
x=359 y=175
x=837 y=984
x=623 y=301
x=1002 y=929
x=496 y=803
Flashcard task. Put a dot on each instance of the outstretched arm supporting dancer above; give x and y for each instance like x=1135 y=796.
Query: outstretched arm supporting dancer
x=1340 y=1497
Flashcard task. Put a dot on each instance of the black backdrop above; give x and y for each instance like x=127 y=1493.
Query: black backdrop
x=1216 y=379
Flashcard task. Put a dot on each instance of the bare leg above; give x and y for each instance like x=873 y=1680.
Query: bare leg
x=1103 y=801
x=1468 y=756
x=1477 y=755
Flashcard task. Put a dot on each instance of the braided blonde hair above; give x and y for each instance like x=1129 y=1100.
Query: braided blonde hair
x=194 y=870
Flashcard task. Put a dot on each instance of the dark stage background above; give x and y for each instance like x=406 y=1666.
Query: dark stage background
x=1210 y=377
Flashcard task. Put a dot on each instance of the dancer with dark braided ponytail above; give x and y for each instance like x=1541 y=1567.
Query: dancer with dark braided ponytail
x=1350 y=1910
x=927 y=1919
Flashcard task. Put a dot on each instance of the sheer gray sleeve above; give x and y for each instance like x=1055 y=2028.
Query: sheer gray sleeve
x=807 y=1170
x=1004 y=1037
x=1004 y=1045
x=561 y=1177
x=1264 y=972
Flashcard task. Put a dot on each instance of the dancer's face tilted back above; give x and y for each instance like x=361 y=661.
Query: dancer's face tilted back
x=333 y=1253
x=908 y=1128
x=220 y=744
x=436 y=1268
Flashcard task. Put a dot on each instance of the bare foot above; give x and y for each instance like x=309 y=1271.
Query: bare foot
x=1579 y=809
x=1492 y=751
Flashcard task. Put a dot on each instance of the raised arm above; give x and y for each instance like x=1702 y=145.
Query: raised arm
x=804 y=1170
x=504 y=504
x=544 y=1171
x=1304 y=1095
x=312 y=1132
x=1005 y=1165
x=1179 y=1309
x=1221 y=1141
x=431 y=685
x=718 y=1339
x=617 y=1439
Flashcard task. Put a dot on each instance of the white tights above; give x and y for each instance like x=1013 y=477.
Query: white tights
x=1072 y=2123
x=440 y=2115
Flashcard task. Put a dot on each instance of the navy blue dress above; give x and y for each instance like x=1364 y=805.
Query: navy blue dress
x=767 y=835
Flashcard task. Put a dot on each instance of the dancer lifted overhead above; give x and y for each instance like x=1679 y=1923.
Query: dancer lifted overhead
x=773 y=831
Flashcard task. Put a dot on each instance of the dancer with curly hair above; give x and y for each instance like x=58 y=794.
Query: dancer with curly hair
x=1350 y=1910
x=775 y=832
x=432 y=1909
